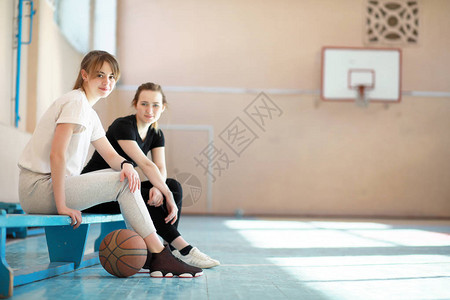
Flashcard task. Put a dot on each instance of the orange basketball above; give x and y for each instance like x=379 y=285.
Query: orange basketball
x=122 y=253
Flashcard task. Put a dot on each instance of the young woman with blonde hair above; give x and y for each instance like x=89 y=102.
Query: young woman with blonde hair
x=51 y=163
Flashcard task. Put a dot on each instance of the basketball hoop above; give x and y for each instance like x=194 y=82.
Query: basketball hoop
x=364 y=74
x=361 y=99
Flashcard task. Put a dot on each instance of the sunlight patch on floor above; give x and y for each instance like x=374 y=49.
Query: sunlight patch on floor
x=372 y=277
x=298 y=234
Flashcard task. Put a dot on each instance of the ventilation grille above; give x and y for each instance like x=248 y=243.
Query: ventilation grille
x=392 y=22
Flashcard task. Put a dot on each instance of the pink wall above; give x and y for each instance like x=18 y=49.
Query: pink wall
x=269 y=44
x=316 y=158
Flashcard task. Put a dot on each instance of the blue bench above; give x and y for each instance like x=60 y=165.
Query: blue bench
x=65 y=245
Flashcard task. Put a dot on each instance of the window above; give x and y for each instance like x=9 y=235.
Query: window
x=87 y=24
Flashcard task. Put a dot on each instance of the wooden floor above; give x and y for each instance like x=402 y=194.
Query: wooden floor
x=273 y=259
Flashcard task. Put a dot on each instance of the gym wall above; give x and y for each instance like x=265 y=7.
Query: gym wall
x=311 y=158
x=316 y=158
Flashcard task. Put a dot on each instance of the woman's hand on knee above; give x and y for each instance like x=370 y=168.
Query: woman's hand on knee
x=128 y=172
x=155 y=197
x=172 y=209
x=74 y=214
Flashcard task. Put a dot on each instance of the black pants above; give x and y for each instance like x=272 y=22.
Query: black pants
x=167 y=231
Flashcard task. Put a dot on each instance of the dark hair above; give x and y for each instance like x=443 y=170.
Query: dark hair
x=149 y=86
x=92 y=62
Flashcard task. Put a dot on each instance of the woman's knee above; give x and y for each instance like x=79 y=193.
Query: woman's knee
x=129 y=199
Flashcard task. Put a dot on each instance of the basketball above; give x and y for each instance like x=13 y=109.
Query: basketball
x=122 y=253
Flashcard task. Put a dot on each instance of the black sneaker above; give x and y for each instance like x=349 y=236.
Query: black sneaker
x=164 y=264
x=147 y=262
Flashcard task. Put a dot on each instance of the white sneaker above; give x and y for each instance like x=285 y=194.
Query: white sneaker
x=197 y=259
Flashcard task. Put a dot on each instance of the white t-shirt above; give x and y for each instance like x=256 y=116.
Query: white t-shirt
x=73 y=108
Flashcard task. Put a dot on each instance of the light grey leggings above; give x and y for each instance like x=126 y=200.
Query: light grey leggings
x=83 y=191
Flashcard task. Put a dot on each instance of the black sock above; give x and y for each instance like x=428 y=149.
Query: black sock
x=186 y=250
x=172 y=248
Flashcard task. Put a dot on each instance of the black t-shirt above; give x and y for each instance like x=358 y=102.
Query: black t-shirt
x=125 y=129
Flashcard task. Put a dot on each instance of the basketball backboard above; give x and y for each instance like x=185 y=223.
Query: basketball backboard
x=351 y=73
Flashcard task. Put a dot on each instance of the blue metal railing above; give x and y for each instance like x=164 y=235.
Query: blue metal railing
x=19 y=51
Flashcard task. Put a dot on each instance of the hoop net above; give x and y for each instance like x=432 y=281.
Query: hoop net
x=361 y=96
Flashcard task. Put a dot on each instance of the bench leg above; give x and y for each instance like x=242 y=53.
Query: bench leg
x=107 y=228
x=66 y=244
x=6 y=273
